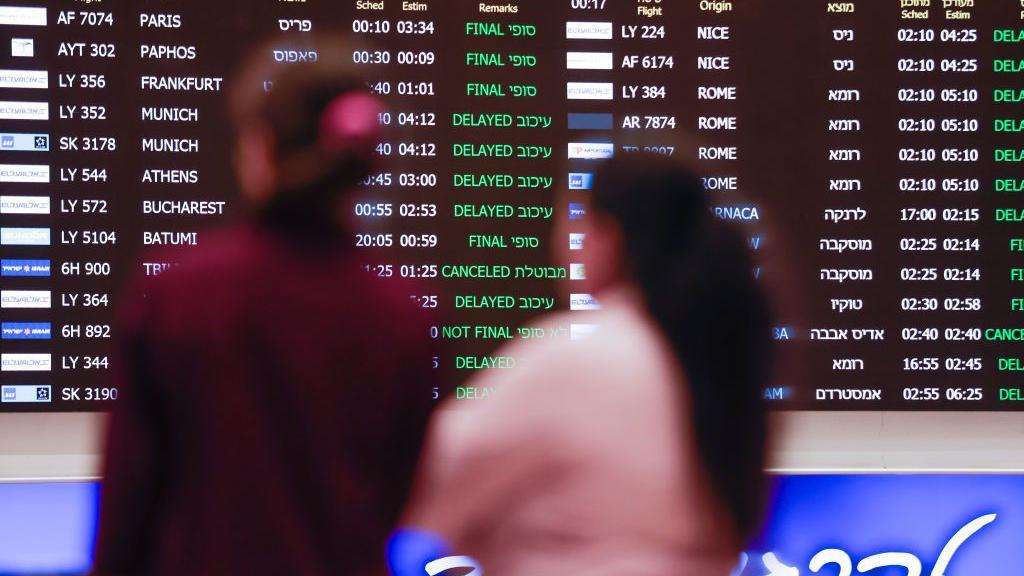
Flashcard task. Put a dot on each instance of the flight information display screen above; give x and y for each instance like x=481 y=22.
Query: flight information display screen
x=876 y=144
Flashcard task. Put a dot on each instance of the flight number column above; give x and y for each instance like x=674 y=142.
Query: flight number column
x=88 y=167
x=646 y=68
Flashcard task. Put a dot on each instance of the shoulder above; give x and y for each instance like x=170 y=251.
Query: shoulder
x=620 y=363
x=618 y=345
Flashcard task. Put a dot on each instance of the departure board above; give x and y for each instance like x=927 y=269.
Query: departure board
x=875 y=143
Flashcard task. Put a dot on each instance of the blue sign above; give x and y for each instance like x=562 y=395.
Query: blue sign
x=819 y=526
x=893 y=525
x=47 y=528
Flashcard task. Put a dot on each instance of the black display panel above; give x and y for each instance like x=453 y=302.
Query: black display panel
x=875 y=144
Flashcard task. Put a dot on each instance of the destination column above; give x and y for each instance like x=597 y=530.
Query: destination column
x=182 y=145
x=850 y=200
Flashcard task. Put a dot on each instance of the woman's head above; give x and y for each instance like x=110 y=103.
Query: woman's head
x=651 y=219
x=305 y=130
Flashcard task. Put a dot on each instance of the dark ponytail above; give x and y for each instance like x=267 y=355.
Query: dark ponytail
x=697 y=275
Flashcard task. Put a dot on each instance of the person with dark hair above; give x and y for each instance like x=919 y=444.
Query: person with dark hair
x=639 y=449
x=263 y=425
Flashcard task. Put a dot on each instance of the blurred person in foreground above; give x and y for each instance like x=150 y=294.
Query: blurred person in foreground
x=639 y=450
x=274 y=397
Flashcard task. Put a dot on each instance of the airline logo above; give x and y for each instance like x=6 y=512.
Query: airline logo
x=591 y=121
x=591 y=150
x=589 y=31
x=22 y=16
x=37 y=79
x=23 y=47
x=14 y=142
x=25 y=173
x=26 y=331
x=26 y=362
x=24 y=205
x=25 y=236
x=582 y=302
x=24 y=110
x=24 y=394
x=580 y=181
x=25 y=299
x=581 y=331
x=577 y=211
x=589 y=61
x=576 y=241
x=577 y=272
x=24 y=268
x=590 y=90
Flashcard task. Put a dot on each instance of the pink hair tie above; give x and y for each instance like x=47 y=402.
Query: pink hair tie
x=350 y=125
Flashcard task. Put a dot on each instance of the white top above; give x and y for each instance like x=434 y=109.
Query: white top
x=578 y=463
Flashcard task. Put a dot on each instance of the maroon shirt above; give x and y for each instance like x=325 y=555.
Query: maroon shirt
x=273 y=404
